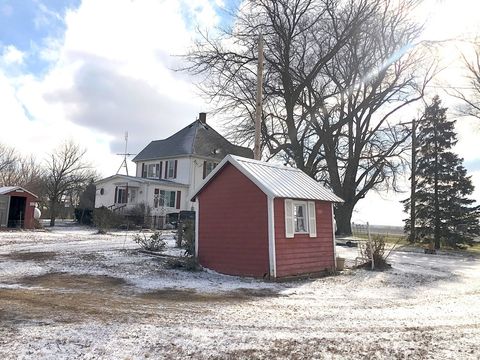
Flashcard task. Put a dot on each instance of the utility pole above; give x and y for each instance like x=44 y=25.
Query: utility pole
x=413 y=183
x=258 y=110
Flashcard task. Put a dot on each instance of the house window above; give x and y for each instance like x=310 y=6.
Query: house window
x=208 y=167
x=133 y=195
x=154 y=171
x=155 y=198
x=102 y=191
x=170 y=171
x=167 y=198
x=121 y=196
x=300 y=219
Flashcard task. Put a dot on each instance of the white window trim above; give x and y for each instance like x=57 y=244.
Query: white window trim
x=309 y=215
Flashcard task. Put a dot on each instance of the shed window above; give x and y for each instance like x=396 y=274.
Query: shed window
x=300 y=218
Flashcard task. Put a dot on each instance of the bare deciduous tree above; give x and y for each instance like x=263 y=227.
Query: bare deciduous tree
x=66 y=172
x=8 y=159
x=20 y=170
x=336 y=74
x=470 y=96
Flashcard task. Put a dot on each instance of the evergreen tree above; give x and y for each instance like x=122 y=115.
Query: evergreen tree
x=444 y=213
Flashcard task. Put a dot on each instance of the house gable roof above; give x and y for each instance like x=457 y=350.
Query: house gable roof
x=197 y=138
x=8 y=189
x=275 y=181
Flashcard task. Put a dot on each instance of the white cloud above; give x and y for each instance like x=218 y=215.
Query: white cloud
x=12 y=56
x=112 y=72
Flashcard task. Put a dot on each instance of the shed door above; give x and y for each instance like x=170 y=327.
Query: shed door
x=4 y=206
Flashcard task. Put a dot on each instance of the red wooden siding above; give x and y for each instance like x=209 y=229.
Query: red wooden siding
x=29 y=210
x=303 y=254
x=233 y=225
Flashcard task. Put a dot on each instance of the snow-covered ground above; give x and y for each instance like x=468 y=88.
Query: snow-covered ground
x=71 y=293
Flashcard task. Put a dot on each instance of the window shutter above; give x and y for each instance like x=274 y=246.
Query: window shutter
x=166 y=169
x=144 y=175
x=312 y=219
x=116 y=192
x=288 y=218
x=204 y=169
x=160 y=172
x=179 y=195
x=175 y=170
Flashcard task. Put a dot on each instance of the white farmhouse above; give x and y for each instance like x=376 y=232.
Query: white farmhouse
x=168 y=172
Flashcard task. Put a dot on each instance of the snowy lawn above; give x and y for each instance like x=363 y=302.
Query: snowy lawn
x=71 y=293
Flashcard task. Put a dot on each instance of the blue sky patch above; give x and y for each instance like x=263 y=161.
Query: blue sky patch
x=27 y=24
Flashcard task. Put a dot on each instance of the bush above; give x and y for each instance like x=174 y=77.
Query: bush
x=84 y=216
x=377 y=247
x=105 y=219
x=188 y=241
x=152 y=243
x=138 y=214
x=186 y=263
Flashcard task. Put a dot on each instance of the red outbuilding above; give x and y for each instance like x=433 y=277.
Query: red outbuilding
x=263 y=220
x=17 y=207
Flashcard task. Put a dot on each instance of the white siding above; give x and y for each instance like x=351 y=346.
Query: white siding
x=189 y=172
x=183 y=169
x=145 y=194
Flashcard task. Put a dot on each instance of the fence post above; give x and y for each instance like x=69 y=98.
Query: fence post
x=370 y=245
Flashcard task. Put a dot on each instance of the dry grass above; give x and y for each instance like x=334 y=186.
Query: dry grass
x=31 y=256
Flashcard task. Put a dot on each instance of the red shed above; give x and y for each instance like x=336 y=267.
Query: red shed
x=17 y=207
x=264 y=220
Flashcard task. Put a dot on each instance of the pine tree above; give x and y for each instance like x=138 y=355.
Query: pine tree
x=444 y=213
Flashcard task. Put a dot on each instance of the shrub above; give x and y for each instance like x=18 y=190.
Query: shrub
x=185 y=263
x=152 y=243
x=375 y=246
x=105 y=219
x=84 y=216
x=138 y=214
x=188 y=242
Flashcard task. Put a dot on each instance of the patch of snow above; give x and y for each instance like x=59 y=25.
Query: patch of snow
x=426 y=306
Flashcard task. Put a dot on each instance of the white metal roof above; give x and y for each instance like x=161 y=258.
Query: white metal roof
x=276 y=181
x=8 y=189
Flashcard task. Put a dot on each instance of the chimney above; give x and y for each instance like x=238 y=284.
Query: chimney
x=202 y=117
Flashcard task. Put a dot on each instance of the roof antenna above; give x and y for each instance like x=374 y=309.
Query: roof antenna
x=125 y=154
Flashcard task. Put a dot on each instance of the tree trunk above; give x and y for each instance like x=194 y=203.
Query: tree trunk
x=52 y=213
x=413 y=184
x=343 y=217
x=436 y=234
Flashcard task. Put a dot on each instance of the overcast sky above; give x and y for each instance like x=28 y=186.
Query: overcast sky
x=90 y=70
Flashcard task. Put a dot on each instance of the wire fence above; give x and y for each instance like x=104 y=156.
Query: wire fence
x=363 y=238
